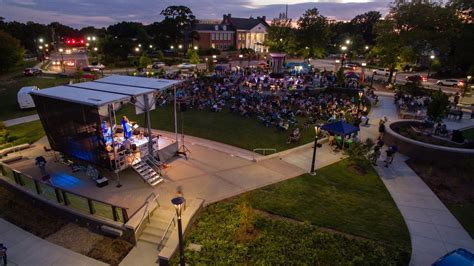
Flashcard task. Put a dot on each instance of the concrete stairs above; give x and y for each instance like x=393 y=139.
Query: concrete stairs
x=159 y=222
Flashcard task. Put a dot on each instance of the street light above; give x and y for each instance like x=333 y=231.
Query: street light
x=361 y=93
x=40 y=40
x=61 y=50
x=151 y=46
x=178 y=203
x=180 y=46
x=137 y=49
x=317 y=129
x=366 y=47
x=432 y=57
x=343 y=48
x=214 y=56
x=95 y=49
x=348 y=41
x=93 y=38
x=40 y=47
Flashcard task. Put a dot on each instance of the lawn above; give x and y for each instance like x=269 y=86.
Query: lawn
x=11 y=84
x=468 y=134
x=24 y=133
x=334 y=218
x=225 y=127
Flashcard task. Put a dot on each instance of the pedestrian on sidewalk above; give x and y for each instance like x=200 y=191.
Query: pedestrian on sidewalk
x=390 y=155
x=375 y=155
x=381 y=128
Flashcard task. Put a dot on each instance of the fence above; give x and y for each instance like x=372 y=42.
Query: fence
x=64 y=197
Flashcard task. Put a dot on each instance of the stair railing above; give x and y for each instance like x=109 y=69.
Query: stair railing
x=172 y=222
x=146 y=212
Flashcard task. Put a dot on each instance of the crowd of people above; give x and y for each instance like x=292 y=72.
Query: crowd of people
x=288 y=104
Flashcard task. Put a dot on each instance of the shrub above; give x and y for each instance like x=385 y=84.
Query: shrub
x=438 y=106
x=358 y=154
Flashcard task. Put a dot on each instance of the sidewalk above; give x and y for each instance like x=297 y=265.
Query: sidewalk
x=434 y=231
x=21 y=120
x=27 y=249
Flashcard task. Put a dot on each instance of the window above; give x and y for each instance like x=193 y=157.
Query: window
x=213 y=36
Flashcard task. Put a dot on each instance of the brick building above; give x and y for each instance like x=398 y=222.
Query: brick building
x=233 y=33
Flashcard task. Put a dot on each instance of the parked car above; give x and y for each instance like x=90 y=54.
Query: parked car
x=416 y=78
x=186 y=66
x=24 y=98
x=158 y=65
x=382 y=71
x=447 y=82
x=32 y=72
x=352 y=66
x=458 y=257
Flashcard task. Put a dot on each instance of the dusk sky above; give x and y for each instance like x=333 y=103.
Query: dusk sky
x=80 y=13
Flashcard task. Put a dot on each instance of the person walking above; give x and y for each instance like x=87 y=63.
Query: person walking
x=390 y=155
x=381 y=128
x=375 y=155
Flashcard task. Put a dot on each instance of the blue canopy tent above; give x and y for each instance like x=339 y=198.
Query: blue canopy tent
x=340 y=128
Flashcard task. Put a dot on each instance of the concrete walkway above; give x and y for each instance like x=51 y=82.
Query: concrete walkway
x=25 y=248
x=434 y=231
x=21 y=120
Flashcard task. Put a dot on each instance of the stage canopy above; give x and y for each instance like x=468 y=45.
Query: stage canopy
x=106 y=90
x=77 y=118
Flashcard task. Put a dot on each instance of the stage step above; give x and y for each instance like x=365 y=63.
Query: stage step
x=147 y=173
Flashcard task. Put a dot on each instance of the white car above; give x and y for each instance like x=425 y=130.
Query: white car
x=382 y=71
x=158 y=65
x=447 y=82
x=186 y=66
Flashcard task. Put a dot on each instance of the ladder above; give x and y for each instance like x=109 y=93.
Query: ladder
x=148 y=174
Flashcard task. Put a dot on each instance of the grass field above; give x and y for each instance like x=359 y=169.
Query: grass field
x=11 y=83
x=24 y=133
x=225 y=127
x=468 y=134
x=334 y=218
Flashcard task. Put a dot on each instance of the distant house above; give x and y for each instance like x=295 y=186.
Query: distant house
x=233 y=33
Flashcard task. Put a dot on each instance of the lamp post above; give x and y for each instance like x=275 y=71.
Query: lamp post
x=61 y=50
x=361 y=93
x=317 y=129
x=178 y=203
x=343 y=57
x=241 y=56
x=362 y=74
x=432 y=57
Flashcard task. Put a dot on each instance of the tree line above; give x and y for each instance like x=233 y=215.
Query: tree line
x=418 y=33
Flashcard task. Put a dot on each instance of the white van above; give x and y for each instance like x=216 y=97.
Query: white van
x=24 y=98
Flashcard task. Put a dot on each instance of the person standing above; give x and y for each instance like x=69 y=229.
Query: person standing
x=381 y=128
x=390 y=155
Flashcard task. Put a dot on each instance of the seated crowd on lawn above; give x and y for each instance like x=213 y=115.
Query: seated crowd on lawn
x=281 y=103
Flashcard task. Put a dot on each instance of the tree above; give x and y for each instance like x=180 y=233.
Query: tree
x=193 y=56
x=281 y=36
x=178 y=19
x=388 y=46
x=313 y=32
x=437 y=107
x=144 y=61
x=12 y=52
x=365 y=23
x=249 y=53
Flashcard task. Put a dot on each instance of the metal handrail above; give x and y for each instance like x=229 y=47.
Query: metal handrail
x=63 y=189
x=264 y=151
x=173 y=221
x=147 y=211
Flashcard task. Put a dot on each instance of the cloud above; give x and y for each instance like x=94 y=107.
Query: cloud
x=79 y=13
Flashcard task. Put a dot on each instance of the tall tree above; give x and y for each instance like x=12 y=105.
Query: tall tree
x=176 y=22
x=281 y=35
x=12 y=52
x=313 y=32
x=365 y=23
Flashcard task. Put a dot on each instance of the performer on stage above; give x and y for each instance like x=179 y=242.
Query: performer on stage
x=127 y=127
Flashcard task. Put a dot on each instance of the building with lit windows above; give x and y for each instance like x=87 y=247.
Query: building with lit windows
x=233 y=33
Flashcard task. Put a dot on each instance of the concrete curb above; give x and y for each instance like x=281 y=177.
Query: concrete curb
x=285 y=152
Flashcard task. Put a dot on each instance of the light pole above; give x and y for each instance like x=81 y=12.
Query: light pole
x=362 y=74
x=343 y=57
x=178 y=203
x=61 y=50
x=241 y=56
x=432 y=57
x=317 y=129
x=361 y=93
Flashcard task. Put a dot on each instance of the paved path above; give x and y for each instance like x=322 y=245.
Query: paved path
x=434 y=231
x=27 y=249
x=21 y=120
